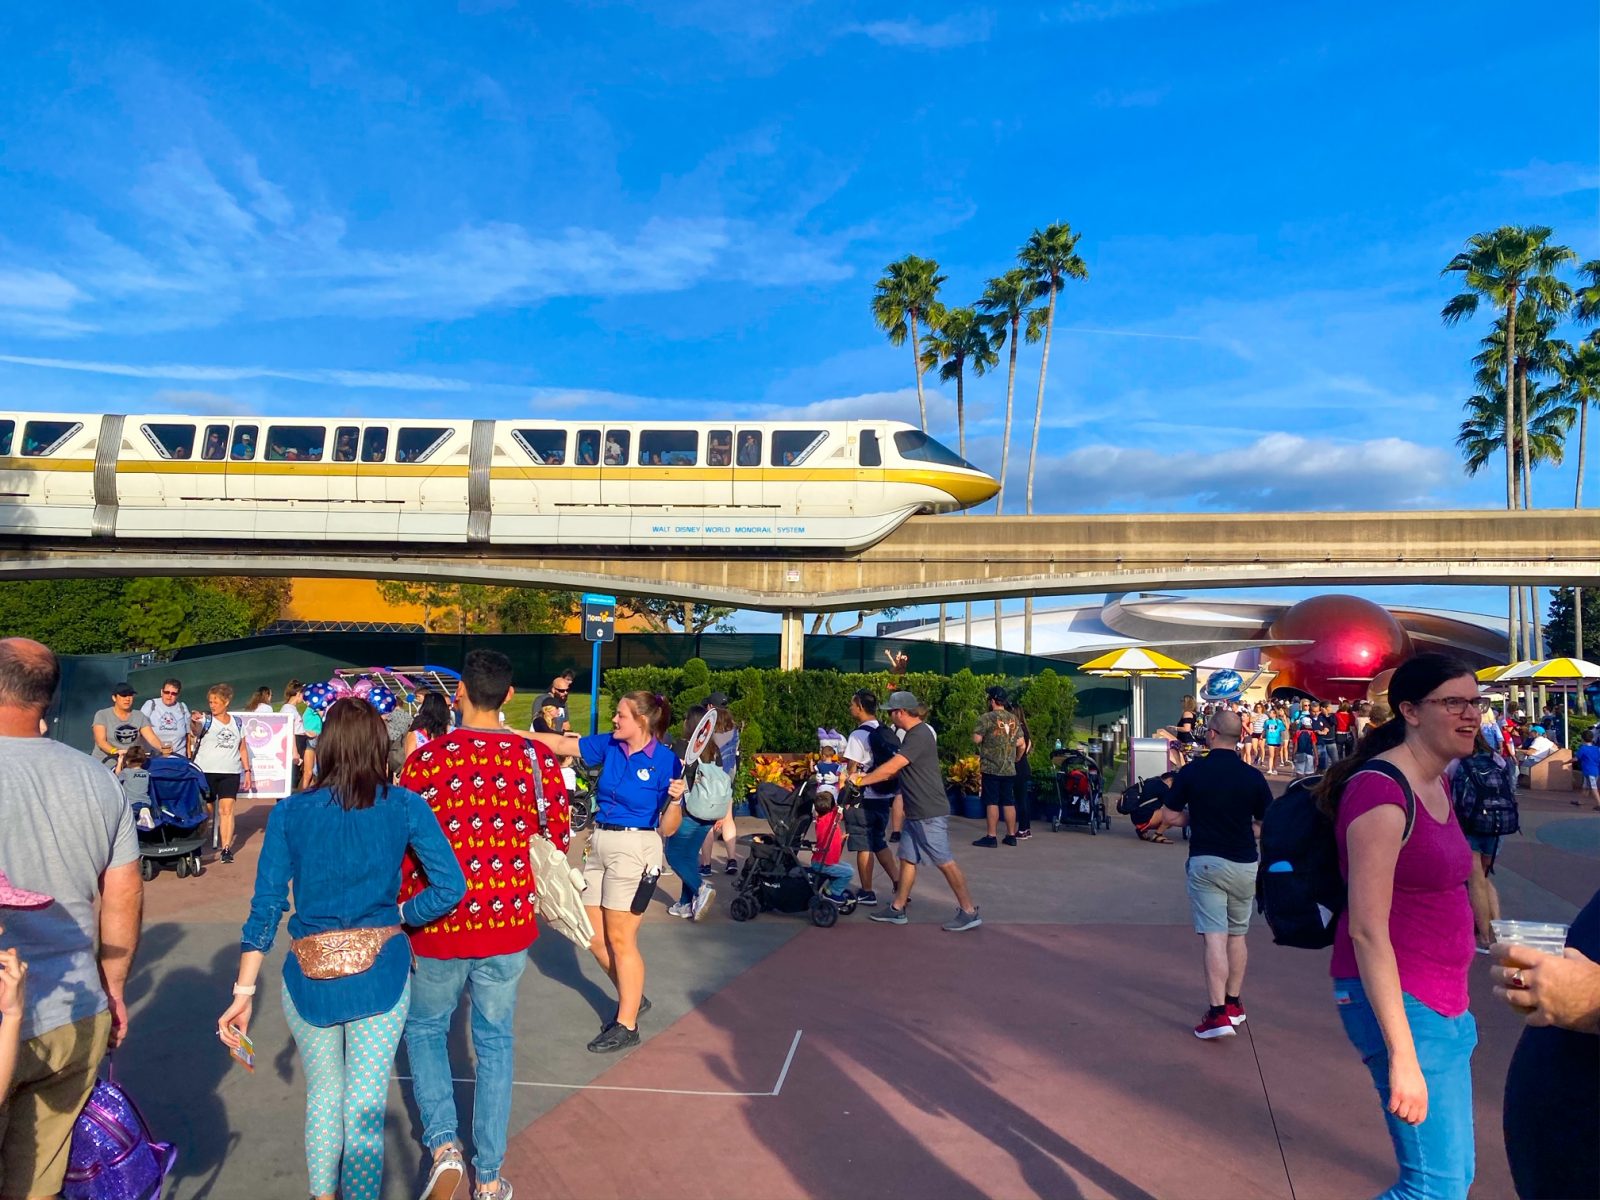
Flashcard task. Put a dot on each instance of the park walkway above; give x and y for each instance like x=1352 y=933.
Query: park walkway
x=1046 y=1054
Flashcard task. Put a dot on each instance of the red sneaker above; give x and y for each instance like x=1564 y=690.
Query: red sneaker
x=1215 y=1027
x=1235 y=1013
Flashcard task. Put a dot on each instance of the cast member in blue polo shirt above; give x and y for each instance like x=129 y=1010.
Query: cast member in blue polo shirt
x=639 y=797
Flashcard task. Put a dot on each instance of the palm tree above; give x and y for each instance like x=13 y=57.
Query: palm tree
x=1580 y=375
x=962 y=338
x=1050 y=257
x=1497 y=266
x=1009 y=298
x=1588 y=312
x=909 y=293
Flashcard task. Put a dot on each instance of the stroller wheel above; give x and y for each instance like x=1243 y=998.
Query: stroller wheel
x=824 y=912
x=848 y=907
x=183 y=868
x=148 y=868
x=743 y=908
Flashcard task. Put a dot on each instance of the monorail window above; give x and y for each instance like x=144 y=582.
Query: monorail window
x=791 y=447
x=871 y=452
x=8 y=430
x=43 y=437
x=588 y=447
x=617 y=447
x=295 y=443
x=669 y=448
x=216 y=446
x=547 y=447
x=375 y=444
x=917 y=446
x=244 y=443
x=719 y=448
x=415 y=445
x=749 y=449
x=171 y=441
x=344 y=444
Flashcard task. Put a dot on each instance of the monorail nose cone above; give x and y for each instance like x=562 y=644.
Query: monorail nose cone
x=969 y=490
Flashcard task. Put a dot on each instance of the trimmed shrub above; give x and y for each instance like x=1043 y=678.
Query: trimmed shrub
x=780 y=711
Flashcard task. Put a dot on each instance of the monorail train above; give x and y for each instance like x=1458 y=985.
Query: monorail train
x=816 y=484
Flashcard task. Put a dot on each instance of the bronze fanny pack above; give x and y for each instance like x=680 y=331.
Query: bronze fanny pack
x=340 y=952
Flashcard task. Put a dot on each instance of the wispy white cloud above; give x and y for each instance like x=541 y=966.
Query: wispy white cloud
x=962 y=29
x=1279 y=471
x=1540 y=178
x=1084 y=12
x=1133 y=98
x=215 y=240
x=197 y=373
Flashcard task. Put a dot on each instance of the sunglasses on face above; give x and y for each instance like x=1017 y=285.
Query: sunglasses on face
x=168 y=692
x=560 y=691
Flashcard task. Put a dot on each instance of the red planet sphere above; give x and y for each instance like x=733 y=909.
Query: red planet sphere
x=1351 y=642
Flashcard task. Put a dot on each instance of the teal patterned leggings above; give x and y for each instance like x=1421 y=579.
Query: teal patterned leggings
x=347 y=1086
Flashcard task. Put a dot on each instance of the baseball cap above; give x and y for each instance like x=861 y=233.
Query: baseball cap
x=1538 y=728
x=1305 y=722
x=718 y=700
x=903 y=701
x=123 y=689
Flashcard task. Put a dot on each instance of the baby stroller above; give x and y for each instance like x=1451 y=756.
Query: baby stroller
x=170 y=828
x=1080 y=802
x=773 y=877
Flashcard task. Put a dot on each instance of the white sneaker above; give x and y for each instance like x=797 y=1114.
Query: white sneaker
x=702 y=901
x=680 y=909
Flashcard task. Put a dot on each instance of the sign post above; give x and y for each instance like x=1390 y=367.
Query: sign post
x=599 y=625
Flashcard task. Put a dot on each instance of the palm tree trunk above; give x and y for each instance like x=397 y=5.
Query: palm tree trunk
x=916 y=365
x=1577 y=502
x=1509 y=428
x=1033 y=451
x=1005 y=464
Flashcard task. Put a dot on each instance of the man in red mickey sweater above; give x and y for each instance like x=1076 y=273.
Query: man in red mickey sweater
x=479 y=781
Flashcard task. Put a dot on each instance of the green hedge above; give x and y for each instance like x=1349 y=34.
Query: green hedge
x=781 y=710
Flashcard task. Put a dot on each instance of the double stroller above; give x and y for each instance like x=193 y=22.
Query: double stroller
x=1080 y=800
x=171 y=823
x=773 y=878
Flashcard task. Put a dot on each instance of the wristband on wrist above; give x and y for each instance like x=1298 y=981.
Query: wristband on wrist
x=244 y=989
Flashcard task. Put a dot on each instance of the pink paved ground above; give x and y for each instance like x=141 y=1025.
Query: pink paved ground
x=1021 y=1060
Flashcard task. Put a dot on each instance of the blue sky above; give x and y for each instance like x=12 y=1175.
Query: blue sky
x=680 y=207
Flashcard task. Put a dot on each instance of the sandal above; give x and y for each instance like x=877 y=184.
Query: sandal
x=449 y=1169
x=503 y=1194
x=1148 y=836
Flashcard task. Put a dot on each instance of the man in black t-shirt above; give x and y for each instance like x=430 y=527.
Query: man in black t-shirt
x=925 y=836
x=1222 y=799
x=555 y=698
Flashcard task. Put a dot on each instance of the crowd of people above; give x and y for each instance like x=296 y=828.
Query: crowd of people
x=404 y=867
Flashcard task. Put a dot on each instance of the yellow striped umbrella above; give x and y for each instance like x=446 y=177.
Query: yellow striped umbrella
x=1137 y=664
x=1491 y=674
x=1554 y=670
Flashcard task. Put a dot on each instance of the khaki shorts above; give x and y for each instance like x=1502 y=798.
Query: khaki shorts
x=616 y=861
x=55 y=1074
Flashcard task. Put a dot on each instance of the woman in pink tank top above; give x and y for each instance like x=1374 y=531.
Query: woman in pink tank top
x=1405 y=941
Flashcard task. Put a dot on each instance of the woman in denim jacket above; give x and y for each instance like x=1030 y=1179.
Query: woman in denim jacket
x=341 y=847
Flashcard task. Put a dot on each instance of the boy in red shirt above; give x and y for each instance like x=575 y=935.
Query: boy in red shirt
x=830 y=845
x=479 y=781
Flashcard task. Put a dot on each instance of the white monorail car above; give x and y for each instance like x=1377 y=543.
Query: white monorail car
x=819 y=484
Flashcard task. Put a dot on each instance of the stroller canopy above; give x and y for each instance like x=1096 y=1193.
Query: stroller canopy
x=177 y=790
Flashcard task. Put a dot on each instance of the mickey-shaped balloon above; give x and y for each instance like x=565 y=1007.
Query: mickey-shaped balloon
x=381 y=698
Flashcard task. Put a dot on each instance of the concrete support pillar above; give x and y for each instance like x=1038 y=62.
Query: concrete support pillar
x=792 y=640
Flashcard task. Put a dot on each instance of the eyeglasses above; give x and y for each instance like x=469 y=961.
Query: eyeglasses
x=1456 y=705
x=169 y=692
x=559 y=691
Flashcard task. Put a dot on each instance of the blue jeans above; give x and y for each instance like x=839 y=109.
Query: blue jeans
x=1436 y=1157
x=683 y=855
x=838 y=874
x=435 y=991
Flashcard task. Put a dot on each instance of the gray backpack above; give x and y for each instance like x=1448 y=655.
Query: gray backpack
x=710 y=795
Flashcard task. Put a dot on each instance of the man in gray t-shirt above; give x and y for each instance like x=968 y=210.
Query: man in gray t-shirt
x=117 y=729
x=67 y=833
x=925 y=836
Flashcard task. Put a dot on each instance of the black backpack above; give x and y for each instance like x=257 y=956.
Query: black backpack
x=1485 y=797
x=1298 y=886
